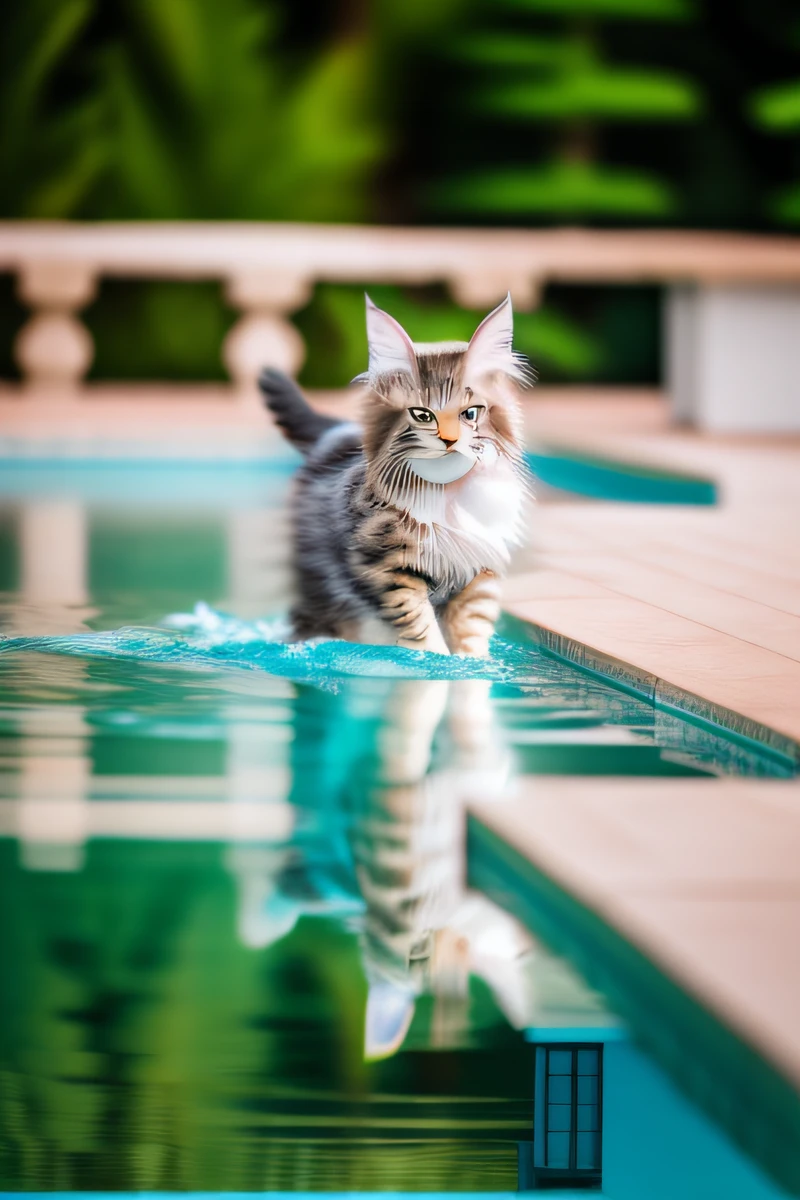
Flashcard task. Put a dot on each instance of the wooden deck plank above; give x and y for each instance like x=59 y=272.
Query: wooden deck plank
x=711 y=541
x=699 y=874
x=742 y=618
x=555 y=584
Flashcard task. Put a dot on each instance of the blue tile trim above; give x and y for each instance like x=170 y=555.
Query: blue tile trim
x=605 y=479
x=577 y=1033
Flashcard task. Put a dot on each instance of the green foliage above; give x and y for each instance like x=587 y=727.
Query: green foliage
x=48 y=157
x=552 y=76
x=573 y=189
x=593 y=91
x=778 y=108
x=189 y=109
x=210 y=123
x=335 y=325
x=181 y=110
x=498 y=111
x=785 y=205
x=637 y=10
x=158 y=329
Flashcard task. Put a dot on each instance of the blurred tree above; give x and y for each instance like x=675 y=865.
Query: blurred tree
x=181 y=110
x=547 y=75
x=178 y=111
x=495 y=111
x=776 y=109
x=50 y=154
x=211 y=122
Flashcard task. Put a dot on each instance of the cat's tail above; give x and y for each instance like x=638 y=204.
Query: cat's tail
x=302 y=425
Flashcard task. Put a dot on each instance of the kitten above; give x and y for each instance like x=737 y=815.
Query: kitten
x=403 y=525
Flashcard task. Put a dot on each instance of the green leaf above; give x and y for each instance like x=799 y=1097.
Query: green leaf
x=413 y=20
x=43 y=37
x=603 y=93
x=778 y=108
x=331 y=139
x=77 y=151
x=37 y=38
x=552 y=340
x=635 y=10
x=502 y=50
x=145 y=170
x=570 y=190
x=785 y=206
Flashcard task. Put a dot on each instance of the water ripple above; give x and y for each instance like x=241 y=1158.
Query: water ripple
x=207 y=639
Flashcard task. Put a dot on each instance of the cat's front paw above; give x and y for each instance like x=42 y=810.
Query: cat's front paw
x=472 y=647
x=432 y=641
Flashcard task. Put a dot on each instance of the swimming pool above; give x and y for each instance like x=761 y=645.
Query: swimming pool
x=238 y=950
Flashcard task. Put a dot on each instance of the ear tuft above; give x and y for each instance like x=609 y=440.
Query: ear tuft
x=491 y=347
x=391 y=350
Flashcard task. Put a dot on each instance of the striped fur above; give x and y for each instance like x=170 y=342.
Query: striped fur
x=381 y=555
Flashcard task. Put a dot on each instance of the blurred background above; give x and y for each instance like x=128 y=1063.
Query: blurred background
x=604 y=113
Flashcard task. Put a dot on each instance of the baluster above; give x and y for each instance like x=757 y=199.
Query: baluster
x=263 y=336
x=54 y=348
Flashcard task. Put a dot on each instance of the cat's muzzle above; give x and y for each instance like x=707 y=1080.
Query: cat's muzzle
x=447 y=468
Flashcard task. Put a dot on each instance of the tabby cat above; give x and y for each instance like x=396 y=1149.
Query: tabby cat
x=403 y=524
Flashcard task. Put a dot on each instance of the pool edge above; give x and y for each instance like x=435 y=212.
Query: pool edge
x=662 y=694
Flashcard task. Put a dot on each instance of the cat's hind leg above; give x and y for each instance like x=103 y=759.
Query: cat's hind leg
x=468 y=620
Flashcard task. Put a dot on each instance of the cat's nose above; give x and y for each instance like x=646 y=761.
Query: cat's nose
x=448 y=441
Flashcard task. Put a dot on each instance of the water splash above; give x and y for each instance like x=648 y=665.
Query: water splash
x=209 y=639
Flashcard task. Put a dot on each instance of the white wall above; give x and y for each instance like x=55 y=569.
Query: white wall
x=733 y=357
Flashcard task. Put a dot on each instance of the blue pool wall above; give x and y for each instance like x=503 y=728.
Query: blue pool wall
x=658 y=1145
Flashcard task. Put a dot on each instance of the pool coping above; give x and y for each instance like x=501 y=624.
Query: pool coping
x=744 y=1092
x=659 y=692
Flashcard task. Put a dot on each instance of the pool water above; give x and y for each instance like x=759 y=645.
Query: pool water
x=238 y=951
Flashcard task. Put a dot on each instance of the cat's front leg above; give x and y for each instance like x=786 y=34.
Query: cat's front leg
x=468 y=620
x=382 y=560
x=402 y=598
x=405 y=605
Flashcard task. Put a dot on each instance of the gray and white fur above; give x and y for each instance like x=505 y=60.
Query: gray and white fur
x=404 y=523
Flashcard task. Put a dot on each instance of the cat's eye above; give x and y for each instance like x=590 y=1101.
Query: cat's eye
x=423 y=416
x=472 y=413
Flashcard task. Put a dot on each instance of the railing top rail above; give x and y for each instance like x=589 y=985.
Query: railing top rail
x=412 y=255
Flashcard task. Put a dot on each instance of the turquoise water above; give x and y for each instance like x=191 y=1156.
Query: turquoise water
x=238 y=950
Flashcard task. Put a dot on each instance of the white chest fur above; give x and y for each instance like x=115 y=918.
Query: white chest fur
x=473 y=523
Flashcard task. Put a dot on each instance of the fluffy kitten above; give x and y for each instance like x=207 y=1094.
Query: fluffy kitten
x=403 y=525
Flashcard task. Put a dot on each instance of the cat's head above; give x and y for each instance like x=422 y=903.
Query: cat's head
x=436 y=411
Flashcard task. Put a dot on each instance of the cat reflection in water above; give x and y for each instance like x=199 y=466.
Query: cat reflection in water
x=391 y=766
x=404 y=524
x=424 y=931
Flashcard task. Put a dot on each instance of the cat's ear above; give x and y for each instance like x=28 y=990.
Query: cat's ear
x=490 y=349
x=391 y=350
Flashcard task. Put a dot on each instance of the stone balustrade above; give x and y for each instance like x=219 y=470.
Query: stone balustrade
x=720 y=285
